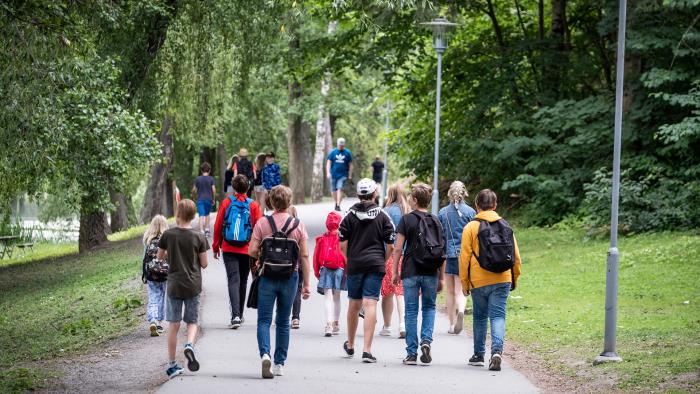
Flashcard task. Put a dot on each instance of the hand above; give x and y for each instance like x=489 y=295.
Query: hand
x=466 y=293
x=305 y=292
x=216 y=255
x=396 y=280
x=350 y=177
x=441 y=284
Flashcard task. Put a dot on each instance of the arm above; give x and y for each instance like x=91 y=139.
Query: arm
x=254 y=248
x=328 y=168
x=441 y=277
x=344 y=249
x=305 y=268
x=162 y=254
x=398 y=247
x=465 y=257
x=389 y=251
x=317 y=255
x=350 y=171
x=203 y=260
x=517 y=267
x=218 y=226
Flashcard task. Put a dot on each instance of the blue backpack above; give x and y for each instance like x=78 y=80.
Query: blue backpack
x=237 y=228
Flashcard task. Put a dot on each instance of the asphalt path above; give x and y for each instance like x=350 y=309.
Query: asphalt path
x=316 y=364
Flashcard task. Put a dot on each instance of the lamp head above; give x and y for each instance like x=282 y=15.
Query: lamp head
x=440 y=27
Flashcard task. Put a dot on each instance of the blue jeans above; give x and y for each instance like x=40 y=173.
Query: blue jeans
x=283 y=291
x=156 y=301
x=338 y=183
x=490 y=303
x=425 y=287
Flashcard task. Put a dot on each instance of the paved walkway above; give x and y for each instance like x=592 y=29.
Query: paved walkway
x=230 y=363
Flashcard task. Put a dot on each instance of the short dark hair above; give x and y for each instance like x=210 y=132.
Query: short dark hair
x=205 y=167
x=422 y=194
x=240 y=183
x=368 y=197
x=486 y=200
x=271 y=154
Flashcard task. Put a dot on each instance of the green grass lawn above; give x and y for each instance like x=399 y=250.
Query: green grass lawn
x=60 y=306
x=558 y=309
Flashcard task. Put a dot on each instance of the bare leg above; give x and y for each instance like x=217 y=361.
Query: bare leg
x=191 y=332
x=206 y=222
x=353 y=317
x=400 y=308
x=387 y=309
x=370 y=307
x=450 y=300
x=172 y=340
x=460 y=299
x=201 y=224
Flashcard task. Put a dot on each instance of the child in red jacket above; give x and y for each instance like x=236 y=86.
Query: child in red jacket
x=329 y=267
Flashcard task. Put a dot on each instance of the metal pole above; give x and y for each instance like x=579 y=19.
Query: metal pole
x=385 y=171
x=436 y=194
x=609 y=347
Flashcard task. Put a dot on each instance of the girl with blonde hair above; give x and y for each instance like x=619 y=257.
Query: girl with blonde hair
x=396 y=206
x=156 y=290
x=453 y=218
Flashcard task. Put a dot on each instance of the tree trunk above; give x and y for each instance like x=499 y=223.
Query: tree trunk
x=540 y=18
x=323 y=125
x=559 y=33
x=120 y=215
x=155 y=201
x=93 y=230
x=491 y=12
x=221 y=161
x=306 y=156
x=294 y=143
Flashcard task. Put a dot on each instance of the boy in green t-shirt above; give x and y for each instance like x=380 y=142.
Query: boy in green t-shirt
x=186 y=251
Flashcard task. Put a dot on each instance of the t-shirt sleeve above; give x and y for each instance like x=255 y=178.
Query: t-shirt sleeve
x=344 y=229
x=163 y=243
x=388 y=230
x=401 y=229
x=257 y=231
x=330 y=155
x=203 y=244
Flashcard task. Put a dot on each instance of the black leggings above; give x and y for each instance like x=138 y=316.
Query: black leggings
x=237 y=270
x=296 y=307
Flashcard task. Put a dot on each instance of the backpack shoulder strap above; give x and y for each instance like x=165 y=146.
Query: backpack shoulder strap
x=295 y=224
x=273 y=226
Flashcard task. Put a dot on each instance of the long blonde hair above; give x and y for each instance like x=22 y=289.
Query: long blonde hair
x=396 y=195
x=457 y=193
x=157 y=227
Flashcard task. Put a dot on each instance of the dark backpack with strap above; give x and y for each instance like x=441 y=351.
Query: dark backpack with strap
x=496 y=246
x=154 y=270
x=279 y=253
x=245 y=167
x=428 y=249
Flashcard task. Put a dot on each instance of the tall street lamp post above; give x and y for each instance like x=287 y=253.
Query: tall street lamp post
x=385 y=171
x=609 y=347
x=440 y=28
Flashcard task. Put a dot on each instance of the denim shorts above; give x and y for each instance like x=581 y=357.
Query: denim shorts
x=338 y=183
x=367 y=285
x=173 y=309
x=204 y=207
x=452 y=266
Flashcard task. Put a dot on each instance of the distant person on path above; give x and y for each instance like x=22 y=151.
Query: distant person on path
x=186 y=251
x=156 y=288
x=205 y=188
x=377 y=170
x=258 y=188
x=233 y=230
x=339 y=170
x=454 y=217
x=366 y=241
x=396 y=206
x=245 y=167
x=489 y=289
x=329 y=268
x=271 y=174
x=228 y=175
x=421 y=234
x=280 y=266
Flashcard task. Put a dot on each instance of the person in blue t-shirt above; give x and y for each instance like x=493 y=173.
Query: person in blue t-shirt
x=339 y=170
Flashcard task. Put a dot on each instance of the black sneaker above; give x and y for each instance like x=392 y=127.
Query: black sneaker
x=425 y=353
x=348 y=351
x=192 y=363
x=236 y=323
x=410 y=360
x=495 y=363
x=368 y=358
x=477 y=360
x=337 y=207
x=362 y=313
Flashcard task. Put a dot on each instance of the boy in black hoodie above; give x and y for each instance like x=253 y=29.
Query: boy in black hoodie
x=366 y=240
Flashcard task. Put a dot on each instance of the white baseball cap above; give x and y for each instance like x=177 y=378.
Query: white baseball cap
x=366 y=186
x=341 y=141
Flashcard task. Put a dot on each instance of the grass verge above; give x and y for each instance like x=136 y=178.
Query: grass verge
x=61 y=306
x=558 y=309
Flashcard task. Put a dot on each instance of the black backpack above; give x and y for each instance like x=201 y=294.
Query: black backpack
x=496 y=246
x=245 y=167
x=279 y=253
x=429 y=245
x=153 y=269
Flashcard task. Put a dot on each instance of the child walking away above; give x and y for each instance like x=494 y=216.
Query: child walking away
x=454 y=217
x=329 y=267
x=205 y=188
x=366 y=241
x=155 y=274
x=489 y=268
x=186 y=251
x=396 y=206
x=271 y=173
x=421 y=234
x=280 y=243
x=233 y=229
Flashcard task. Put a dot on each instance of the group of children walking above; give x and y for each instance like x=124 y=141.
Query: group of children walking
x=400 y=252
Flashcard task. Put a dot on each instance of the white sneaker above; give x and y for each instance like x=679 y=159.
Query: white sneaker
x=278 y=370
x=329 y=330
x=385 y=332
x=266 y=367
x=402 y=330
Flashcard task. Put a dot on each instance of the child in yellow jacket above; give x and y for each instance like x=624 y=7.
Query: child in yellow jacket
x=489 y=290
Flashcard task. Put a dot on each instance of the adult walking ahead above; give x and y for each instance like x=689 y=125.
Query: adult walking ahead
x=339 y=170
x=232 y=232
x=454 y=217
x=489 y=271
